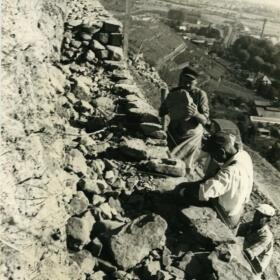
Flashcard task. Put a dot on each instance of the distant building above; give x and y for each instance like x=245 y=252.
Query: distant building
x=266 y=109
x=265 y=120
x=263 y=132
x=266 y=113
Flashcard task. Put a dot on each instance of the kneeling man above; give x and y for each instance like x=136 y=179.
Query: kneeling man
x=232 y=185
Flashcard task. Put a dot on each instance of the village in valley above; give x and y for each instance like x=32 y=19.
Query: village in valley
x=235 y=46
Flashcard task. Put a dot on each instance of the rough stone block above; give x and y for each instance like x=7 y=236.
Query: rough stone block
x=76 y=162
x=103 y=38
x=90 y=28
x=97 y=200
x=79 y=203
x=85 y=261
x=208 y=229
x=158 y=152
x=106 y=210
x=85 y=36
x=102 y=54
x=134 y=148
x=116 y=39
x=74 y=22
x=138 y=108
x=112 y=26
x=115 y=53
x=78 y=230
x=153 y=130
x=137 y=239
x=99 y=275
x=90 y=56
x=114 y=65
x=82 y=87
x=172 y=167
x=89 y=186
x=104 y=103
x=148 y=128
x=228 y=262
x=95 y=45
x=153 y=268
x=125 y=89
x=76 y=44
x=118 y=75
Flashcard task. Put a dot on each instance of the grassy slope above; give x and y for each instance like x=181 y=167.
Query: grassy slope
x=157 y=40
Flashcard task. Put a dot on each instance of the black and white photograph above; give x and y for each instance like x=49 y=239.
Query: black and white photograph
x=140 y=140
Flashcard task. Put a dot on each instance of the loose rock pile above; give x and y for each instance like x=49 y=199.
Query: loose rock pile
x=122 y=225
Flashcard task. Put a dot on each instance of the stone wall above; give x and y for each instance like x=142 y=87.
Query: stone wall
x=88 y=184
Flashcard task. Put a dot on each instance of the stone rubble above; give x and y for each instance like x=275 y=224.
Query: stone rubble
x=121 y=158
x=83 y=134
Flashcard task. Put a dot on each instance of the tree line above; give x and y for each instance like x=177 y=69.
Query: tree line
x=258 y=55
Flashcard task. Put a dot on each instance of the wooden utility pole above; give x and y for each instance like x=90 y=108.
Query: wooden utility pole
x=126 y=27
x=263 y=27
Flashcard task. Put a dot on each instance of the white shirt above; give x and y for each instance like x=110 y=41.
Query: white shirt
x=232 y=184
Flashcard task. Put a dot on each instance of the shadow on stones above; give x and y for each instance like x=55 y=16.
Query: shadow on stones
x=179 y=235
x=188 y=252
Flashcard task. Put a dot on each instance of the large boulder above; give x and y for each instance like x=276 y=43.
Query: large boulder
x=228 y=262
x=208 y=230
x=137 y=239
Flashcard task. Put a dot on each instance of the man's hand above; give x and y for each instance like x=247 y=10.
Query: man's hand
x=192 y=110
x=248 y=254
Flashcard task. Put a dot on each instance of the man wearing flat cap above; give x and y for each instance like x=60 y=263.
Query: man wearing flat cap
x=230 y=188
x=258 y=245
x=188 y=109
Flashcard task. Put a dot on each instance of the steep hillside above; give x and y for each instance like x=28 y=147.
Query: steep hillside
x=88 y=186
